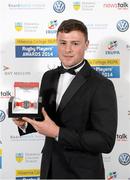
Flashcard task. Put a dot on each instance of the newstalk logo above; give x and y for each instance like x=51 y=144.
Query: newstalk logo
x=119 y=6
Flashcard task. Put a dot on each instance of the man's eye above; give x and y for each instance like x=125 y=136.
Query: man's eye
x=75 y=43
x=62 y=43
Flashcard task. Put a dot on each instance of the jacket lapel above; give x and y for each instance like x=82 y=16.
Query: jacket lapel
x=53 y=87
x=76 y=83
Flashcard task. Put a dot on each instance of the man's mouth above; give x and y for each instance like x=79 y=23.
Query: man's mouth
x=68 y=55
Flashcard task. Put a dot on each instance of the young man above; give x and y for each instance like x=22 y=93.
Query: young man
x=80 y=111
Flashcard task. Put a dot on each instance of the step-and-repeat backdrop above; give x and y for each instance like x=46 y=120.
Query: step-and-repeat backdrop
x=28 y=49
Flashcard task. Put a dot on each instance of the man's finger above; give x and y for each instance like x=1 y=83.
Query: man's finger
x=44 y=112
x=31 y=121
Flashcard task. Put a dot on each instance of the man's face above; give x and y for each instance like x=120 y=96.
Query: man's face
x=71 y=47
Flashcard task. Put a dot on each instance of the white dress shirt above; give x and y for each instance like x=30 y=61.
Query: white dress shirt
x=64 y=82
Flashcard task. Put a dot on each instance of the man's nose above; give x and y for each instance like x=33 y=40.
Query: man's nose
x=68 y=48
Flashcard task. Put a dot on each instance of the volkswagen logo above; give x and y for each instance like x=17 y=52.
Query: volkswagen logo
x=122 y=25
x=59 y=6
x=124 y=158
x=2 y=115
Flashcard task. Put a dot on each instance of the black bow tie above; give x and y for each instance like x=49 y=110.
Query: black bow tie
x=62 y=70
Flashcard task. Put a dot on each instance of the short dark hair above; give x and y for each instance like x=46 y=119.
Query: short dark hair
x=72 y=25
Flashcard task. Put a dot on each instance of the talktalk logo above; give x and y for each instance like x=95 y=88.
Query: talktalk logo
x=121 y=137
x=5 y=94
x=119 y=6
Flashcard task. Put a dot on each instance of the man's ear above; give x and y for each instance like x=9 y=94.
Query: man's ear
x=87 y=44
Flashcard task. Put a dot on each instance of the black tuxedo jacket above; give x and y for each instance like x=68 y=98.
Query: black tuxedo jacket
x=87 y=116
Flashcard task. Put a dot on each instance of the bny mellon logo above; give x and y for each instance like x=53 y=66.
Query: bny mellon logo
x=5 y=68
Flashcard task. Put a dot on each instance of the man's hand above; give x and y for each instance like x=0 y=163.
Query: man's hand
x=46 y=127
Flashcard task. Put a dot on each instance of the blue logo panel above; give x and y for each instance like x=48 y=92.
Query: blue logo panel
x=108 y=71
x=36 y=51
x=28 y=178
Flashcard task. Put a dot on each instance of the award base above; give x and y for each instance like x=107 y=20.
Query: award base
x=26 y=101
